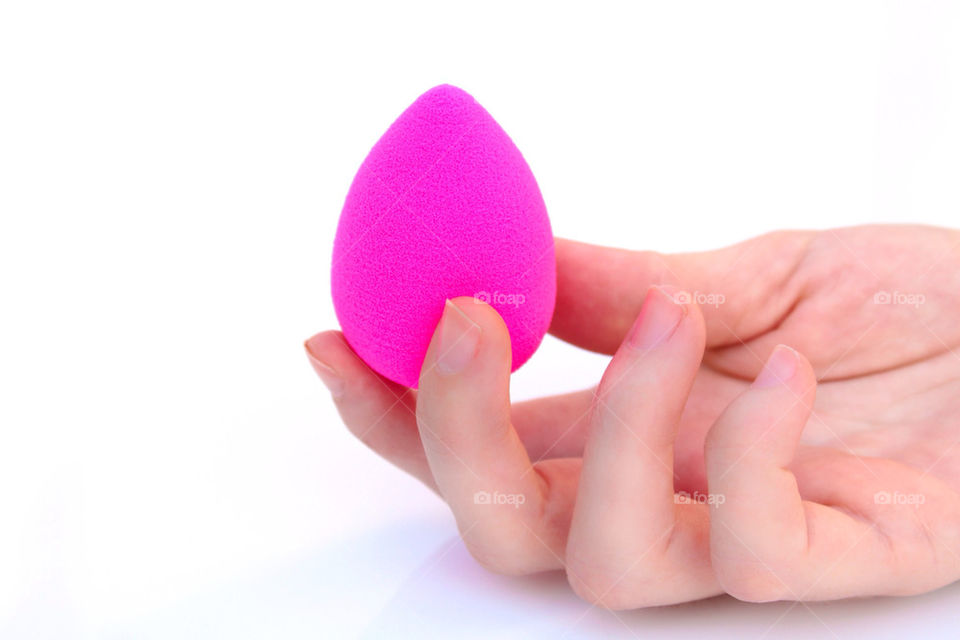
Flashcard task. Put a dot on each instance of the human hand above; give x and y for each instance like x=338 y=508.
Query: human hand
x=853 y=493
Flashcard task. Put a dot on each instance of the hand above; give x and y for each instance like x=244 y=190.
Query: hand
x=834 y=473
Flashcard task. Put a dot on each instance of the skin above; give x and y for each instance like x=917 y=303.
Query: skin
x=815 y=423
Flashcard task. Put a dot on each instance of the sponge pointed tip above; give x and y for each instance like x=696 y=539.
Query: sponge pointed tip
x=446 y=103
x=447 y=92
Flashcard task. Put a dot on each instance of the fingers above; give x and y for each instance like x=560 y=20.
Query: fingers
x=382 y=413
x=376 y=410
x=743 y=290
x=766 y=542
x=510 y=515
x=630 y=544
x=556 y=426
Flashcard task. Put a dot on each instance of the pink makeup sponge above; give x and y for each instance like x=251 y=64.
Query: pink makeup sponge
x=443 y=206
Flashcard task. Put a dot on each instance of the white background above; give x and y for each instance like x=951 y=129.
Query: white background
x=170 y=179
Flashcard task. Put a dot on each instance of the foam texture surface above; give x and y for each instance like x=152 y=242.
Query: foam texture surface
x=443 y=206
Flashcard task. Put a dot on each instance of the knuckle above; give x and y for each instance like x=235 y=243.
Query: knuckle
x=493 y=559
x=609 y=588
x=599 y=590
x=501 y=557
x=752 y=582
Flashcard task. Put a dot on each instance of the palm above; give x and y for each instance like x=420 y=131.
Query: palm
x=874 y=310
x=909 y=414
x=889 y=372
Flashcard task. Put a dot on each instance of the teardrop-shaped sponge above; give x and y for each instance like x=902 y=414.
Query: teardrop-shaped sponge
x=443 y=206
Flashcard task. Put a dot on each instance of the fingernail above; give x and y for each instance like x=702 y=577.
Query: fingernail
x=325 y=372
x=459 y=336
x=659 y=318
x=779 y=368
